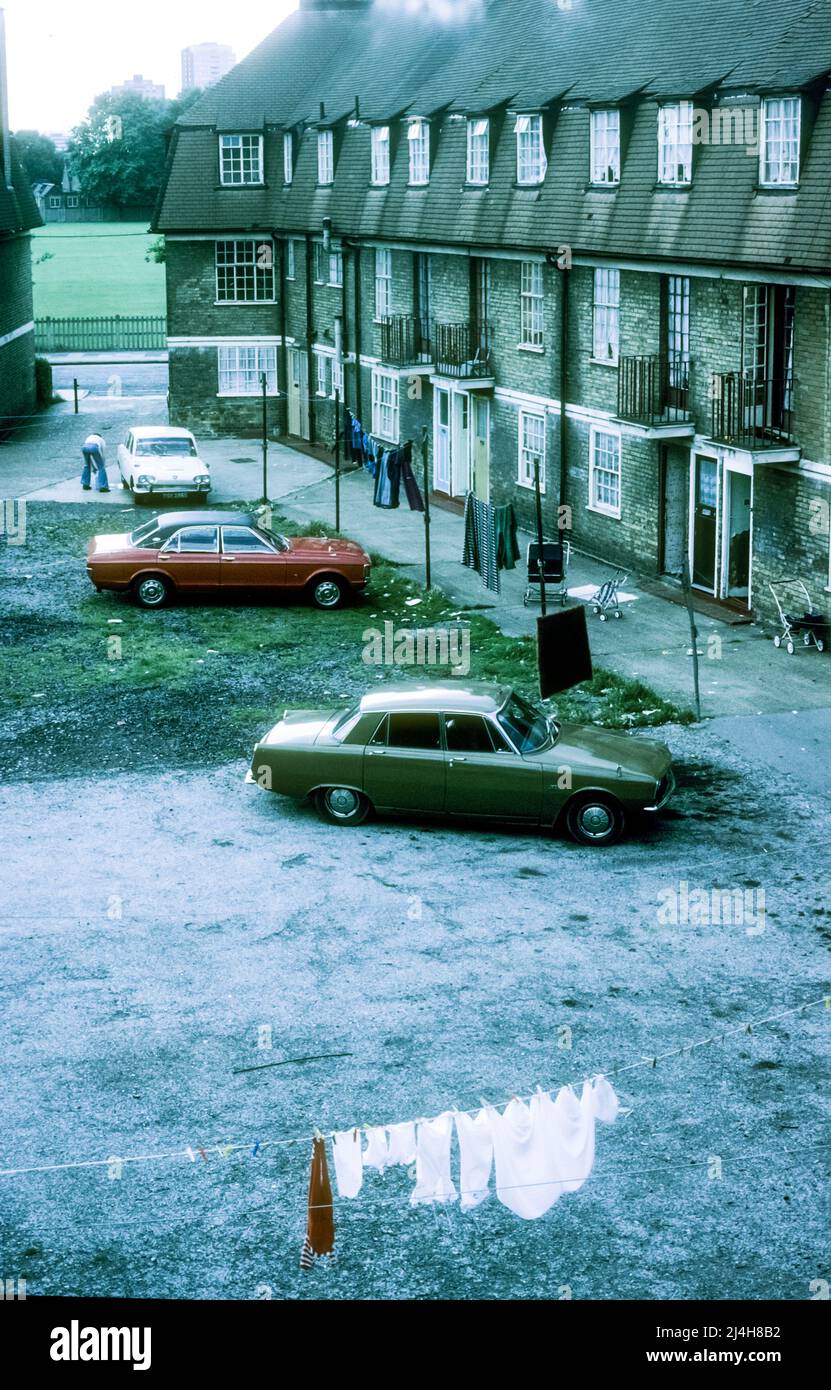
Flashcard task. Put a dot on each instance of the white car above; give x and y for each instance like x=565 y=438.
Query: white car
x=162 y=461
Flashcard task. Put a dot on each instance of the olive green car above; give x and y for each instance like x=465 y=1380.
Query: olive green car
x=468 y=751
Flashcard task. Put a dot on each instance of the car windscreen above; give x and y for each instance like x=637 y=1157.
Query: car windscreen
x=147 y=535
x=526 y=725
x=346 y=723
x=273 y=536
x=165 y=448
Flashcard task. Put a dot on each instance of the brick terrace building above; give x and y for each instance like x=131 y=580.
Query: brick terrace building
x=594 y=235
x=18 y=215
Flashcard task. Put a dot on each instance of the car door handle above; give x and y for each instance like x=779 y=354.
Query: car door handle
x=229 y=559
x=377 y=752
x=457 y=760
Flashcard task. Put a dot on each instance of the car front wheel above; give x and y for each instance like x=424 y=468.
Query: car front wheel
x=328 y=592
x=153 y=591
x=595 y=819
x=342 y=806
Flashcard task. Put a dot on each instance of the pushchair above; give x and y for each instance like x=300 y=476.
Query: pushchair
x=809 y=625
x=556 y=557
x=607 y=599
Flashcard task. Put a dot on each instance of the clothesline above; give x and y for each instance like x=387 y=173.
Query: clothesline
x=257 y=1146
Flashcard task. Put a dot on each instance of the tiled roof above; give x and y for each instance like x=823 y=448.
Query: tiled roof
x=522 y=54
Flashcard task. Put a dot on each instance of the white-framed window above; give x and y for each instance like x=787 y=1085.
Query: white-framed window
x=478 y=150
x=678 y=330
x=291 y=260
x=531 y=447
x=606 y=316
x=320 y=263
x=604 y=472
x=780 y=120
x=605 y=147
x=55 y=202
x=532 y=315
x=336 y=269
x=531 y=161
x=72 y=200
x=385 y=405
x=322 y=374
x=380 y=155
x=418 y=138
x=383 y=284
x=240 y=159
x=288 y=157
x=244 y=272
x=337 y=377
x=675 y=145
x=325 y=156
x=241 y=370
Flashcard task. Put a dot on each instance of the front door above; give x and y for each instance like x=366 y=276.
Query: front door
x=482 y=447
x=736 y=568
x=460 y=444
x=441 y=434
x=298 y=393
x=404 y=766
x=249 y=562
x=705 y=523
x=484 y=776
x=191 y=559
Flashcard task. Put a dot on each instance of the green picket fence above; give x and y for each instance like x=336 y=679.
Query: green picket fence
x=105 y=333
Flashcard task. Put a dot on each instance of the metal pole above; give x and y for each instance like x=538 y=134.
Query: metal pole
x=538 y=496
x=75 y=392
x=427 y=574
x=687 y=587
x=337 y=462
x=265 y=439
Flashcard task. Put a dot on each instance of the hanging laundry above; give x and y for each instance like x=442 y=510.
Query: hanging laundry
x=375 y=1153
x=507 y=545
x=408 y=478
x=401 y=1143
x=476 y=1153
x=479 y=552
x=320 y=1225
x=349 y=1164
x=433 y=1180
x=388 y=481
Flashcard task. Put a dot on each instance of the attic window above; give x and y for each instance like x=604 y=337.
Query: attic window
x=780 y=121
x=380 y=155
x=531 y=162
x=288 y=157
x=478 y=151
x=605 y=147
x=418 y=136
x=675 y=122
x=325 y=157
x=240 y=160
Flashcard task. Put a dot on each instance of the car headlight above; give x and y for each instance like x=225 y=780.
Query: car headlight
x=146 y=479
x=202 y=479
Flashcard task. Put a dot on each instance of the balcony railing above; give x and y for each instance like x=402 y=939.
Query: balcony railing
x=752 y=411
x=462 y=349
x=406 y=340
x=654 y=390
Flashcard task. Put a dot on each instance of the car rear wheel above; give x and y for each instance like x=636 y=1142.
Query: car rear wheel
x=342 y=806
x=595 y=819
x=153 y=591
x=328 y=592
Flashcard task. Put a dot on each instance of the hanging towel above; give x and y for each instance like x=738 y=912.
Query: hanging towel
x=433 y=1180
x=479 y=552
x=476 y=1153
x=320 y=1226
x=375 y=1153
x=401 y=1144
x=507 y=545
x=349 y=1167
x=408 y=478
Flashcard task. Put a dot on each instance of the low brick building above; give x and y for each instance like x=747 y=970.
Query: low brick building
x=588 y=238
x=18 y=215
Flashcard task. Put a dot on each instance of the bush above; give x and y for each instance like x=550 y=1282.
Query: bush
x=43 y=381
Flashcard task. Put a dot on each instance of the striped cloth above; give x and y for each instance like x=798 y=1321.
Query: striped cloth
x=479 y=551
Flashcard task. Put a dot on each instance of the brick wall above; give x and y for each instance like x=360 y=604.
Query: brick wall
x=17 y=358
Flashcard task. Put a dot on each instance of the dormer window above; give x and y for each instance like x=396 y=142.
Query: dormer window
x=675 y=123
x=288 y=157
x=531 y=161
x=240 y=160
x=605 y=147
x=418 y=137
x=478 y=151
x=380 y=155
x=325 y=157
x=779 y=121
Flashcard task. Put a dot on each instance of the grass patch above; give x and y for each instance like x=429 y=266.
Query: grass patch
x=96 y=268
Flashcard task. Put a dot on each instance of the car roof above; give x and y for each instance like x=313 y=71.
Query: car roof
x=168 y=522
x=478 y=697
x=160 y=432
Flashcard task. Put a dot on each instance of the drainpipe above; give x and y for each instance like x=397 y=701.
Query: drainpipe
x=358 y=333
x=564 y=298
x=284 y=351
x=309 y=336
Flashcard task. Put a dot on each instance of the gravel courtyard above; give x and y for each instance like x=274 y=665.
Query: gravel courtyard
x=155 y=922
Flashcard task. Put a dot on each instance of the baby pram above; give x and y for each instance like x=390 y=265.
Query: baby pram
x=810 y=625
x=556 y=557
x=607 y=600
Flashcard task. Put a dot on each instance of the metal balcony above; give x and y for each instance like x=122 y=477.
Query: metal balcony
x=406 y=340
x=654 y=390
x=463 y=350
x=750 y=411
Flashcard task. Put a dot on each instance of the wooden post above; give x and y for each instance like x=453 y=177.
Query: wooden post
x=265 y=439
x=75 y=392
x=337 y=462
x=538 y=496
x=687 y=587
x=428 y=578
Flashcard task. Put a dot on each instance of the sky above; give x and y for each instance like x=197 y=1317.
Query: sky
x=61 y=55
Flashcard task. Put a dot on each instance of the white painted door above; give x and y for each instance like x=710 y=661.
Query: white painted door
x=298 y=393
x=482 y=447
x=460 y=444
x=441 y=441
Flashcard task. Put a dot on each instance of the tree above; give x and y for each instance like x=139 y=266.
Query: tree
x=39 y=157
x=119 y=151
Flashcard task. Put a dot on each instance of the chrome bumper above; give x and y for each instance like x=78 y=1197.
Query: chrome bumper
x=666 y=788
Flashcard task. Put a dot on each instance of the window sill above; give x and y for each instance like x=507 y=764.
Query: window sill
x=530 y=347
x=246 y=395
x=418 y=186
x=603 y=187
x=469 y=187
x=530 y=187
x=604 y=511
x=243 y=303
x=783 y=188
x=529 y=487
x=378 y=187
x=237 y=187
x=604 y=362
x=672 y=187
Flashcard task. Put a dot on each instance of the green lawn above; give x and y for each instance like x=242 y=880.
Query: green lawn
x=96 y=268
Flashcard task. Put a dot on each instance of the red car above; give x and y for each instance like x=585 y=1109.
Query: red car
x=230 y=552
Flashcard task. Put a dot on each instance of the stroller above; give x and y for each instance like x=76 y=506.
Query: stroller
x=810 y=625
x=556 y=557
x=606 y=599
